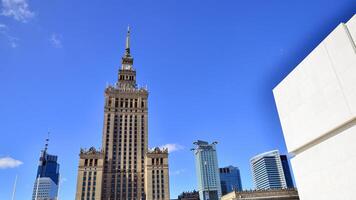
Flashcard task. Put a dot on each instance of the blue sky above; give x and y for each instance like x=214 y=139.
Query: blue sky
x=210 y=67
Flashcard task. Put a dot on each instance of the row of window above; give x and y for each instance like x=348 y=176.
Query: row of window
x=157 y=161
x=127 y=77
x=127 y=103
x=89 y=185
x=90 y=162
x=157 y=184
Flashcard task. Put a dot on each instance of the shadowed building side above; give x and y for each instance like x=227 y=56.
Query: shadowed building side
x=230 y=179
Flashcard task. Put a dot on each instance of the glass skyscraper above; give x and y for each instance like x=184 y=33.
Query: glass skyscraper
x=230 y=179
x=47 y=178
x=207 y=170
x=287 y=172
x=267 y=171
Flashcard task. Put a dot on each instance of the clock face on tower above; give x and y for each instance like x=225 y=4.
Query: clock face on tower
x=126 y=66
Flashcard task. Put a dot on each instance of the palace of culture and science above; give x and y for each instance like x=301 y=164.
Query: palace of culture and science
x=125 y=168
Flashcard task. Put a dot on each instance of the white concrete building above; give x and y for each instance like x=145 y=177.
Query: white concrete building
x=316 y=104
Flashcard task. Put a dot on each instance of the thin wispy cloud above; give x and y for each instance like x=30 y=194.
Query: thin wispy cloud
x=8 y=162
x=177 y=172
x=17 y=9
x=4 y=31
x=56 y=40
x=3 y=27
x=172 y=147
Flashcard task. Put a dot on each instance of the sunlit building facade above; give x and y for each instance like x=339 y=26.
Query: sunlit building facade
x=207 y=170
x=316 y=105
x=267 y=171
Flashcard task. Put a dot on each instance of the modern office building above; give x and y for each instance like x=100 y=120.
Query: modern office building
x=124 y=137
x=269 y=194
x=267 y=171
x=47 y=178
x=207 y=170
x=90 y=172
x=157 y=174
x=230 y=179
x=316 y=104
x=45 y=189
x=193 y=195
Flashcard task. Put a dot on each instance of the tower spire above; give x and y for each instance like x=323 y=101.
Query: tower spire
x=127 y=60
x=47 y=140
x=127 y=53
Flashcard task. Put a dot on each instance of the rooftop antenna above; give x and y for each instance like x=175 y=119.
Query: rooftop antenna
x=127 y=45
x=14 y=190
x=47 y=140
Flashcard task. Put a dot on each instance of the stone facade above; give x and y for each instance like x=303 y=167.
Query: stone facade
x=274 y=194
x=124 y=138
x=157 y=174
x=125 y=135
x=90 y=171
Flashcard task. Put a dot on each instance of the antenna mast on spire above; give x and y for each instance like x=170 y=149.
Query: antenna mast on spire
x=47 y=140
x=127 y=53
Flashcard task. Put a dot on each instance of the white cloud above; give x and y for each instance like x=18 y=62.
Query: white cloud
x=172 y=147
x=56 y=40
x=8 y=162
x=177 y=172
x=18 y=9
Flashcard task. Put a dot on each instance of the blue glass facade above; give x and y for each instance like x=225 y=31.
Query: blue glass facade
x=230 y=179
x=287 y=172
x=48 y=167
x=47 y=178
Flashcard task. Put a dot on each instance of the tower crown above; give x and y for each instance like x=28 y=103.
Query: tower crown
x=127 y=74
x=127 y=60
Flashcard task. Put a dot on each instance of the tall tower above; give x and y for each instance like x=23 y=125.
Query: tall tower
x=47 y=178
x=207 y=170
x=125 y=134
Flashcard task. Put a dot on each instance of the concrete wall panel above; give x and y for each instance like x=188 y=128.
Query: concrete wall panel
x=327 y=171
x=320 y=93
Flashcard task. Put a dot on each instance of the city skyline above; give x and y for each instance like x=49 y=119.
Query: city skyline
x=47 y=81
